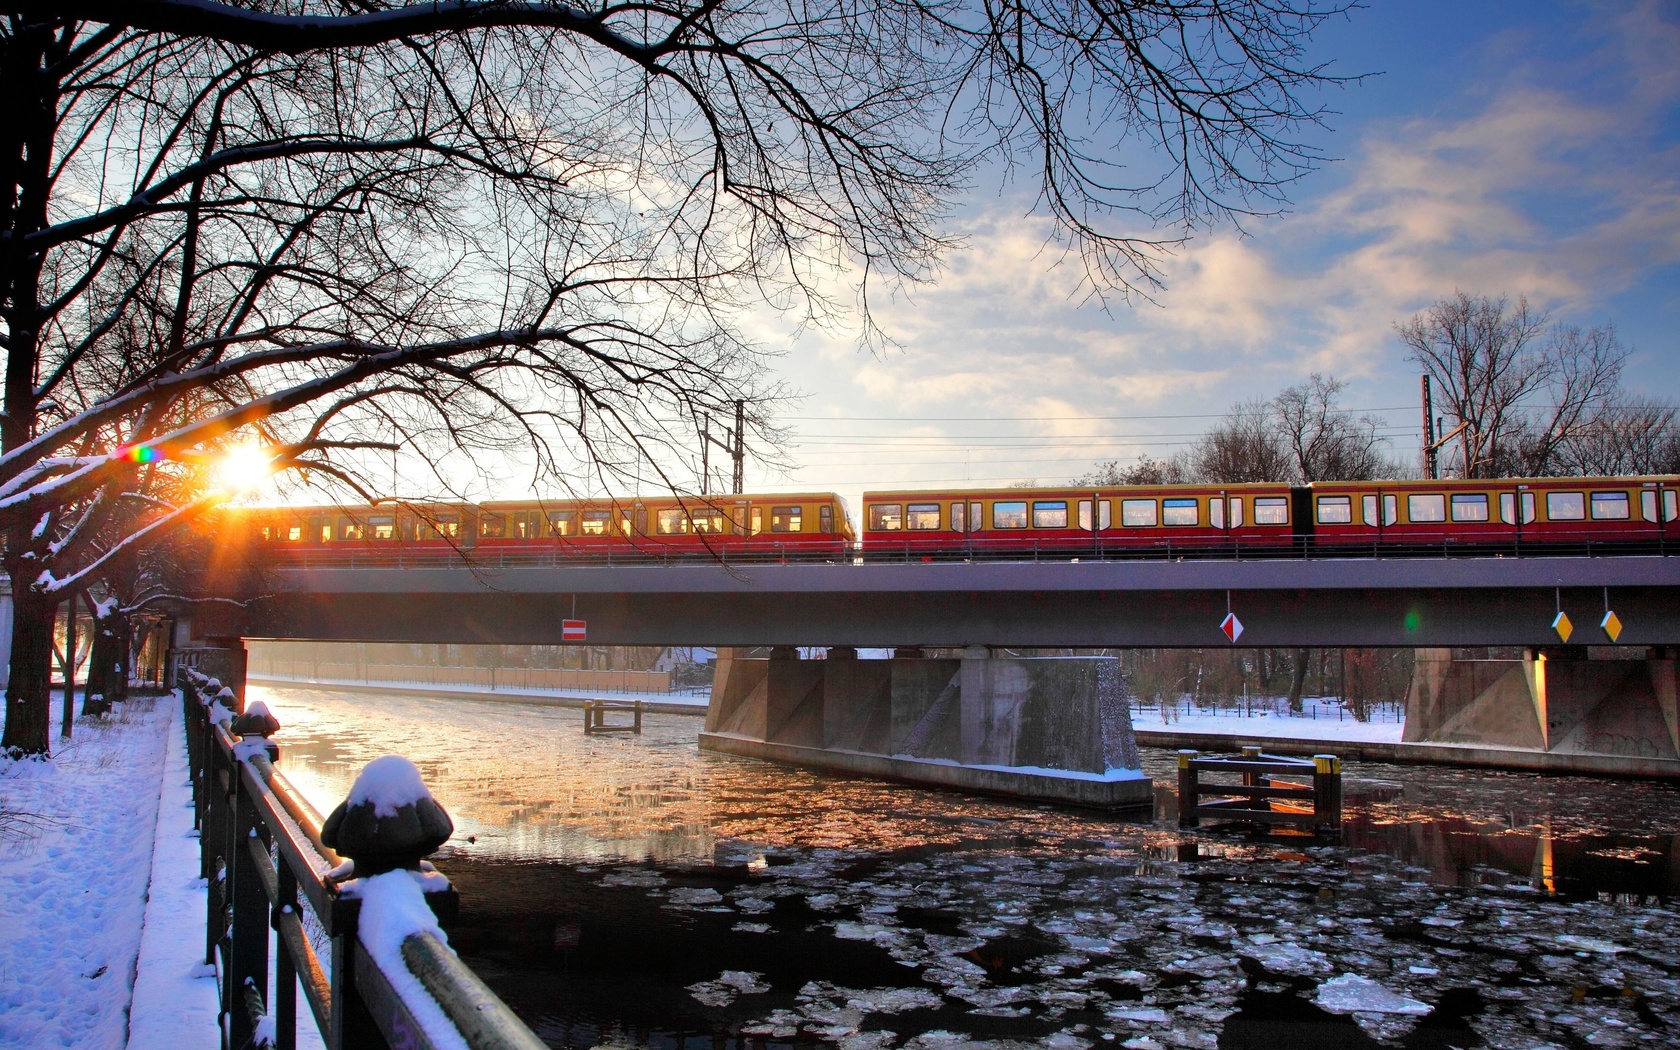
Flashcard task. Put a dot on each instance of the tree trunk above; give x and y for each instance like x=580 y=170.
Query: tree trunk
x=29 y=691
x=1298 y=680
x=108 y=664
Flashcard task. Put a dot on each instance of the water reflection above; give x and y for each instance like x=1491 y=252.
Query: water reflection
x=633 y=891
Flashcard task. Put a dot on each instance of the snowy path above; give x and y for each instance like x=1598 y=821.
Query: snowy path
x=75 y=877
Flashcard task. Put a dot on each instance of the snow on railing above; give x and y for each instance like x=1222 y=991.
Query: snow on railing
x=357 y=924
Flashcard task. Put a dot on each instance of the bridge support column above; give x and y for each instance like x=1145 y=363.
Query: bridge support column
x=1041 y=728
x=1564 y=700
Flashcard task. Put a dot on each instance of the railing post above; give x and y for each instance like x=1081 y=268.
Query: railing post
x=1187 y=788
x=285 y=969
x=248 y=946
x=1327 y=794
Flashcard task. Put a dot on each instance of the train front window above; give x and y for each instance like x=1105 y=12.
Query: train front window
x=1180 y=512
x=1009 y=515
x=1610 y=506
x=596 y=522
x=1565 y=506
x=922 y=516
x=1271 y=510
x=1469 y=506
x=825 y=519
x=1338 y=510
x=886 y=517
x=384 y=528
x=786 y=519
x=1050 y=514
x=1426 y=507
x=1137 y=513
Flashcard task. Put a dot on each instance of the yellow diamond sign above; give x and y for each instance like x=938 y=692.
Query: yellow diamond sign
x=1562 y=626
x=1612 y=625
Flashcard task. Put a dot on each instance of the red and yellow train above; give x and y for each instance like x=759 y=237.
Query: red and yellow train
x=1610 y=514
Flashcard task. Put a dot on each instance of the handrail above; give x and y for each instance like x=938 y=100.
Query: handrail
x=262 y=853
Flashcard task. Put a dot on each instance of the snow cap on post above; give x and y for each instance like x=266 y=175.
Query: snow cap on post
x=256 y=721
x=389 y=821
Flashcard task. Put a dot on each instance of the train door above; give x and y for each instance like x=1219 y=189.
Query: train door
x=1659 y=504
x=1095 y=516
x=1516 y=509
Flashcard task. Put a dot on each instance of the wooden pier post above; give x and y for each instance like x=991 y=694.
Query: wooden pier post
x=1187 y=789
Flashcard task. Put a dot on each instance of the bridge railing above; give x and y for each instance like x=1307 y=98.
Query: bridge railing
x=986 y=548
x=266 y=867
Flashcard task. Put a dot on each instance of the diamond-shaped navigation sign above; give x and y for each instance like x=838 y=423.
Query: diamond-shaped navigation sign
x=1232 y=627
x=1562 y=626
x=1611 y=624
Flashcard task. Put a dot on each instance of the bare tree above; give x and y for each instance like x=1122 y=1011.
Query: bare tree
x=1326 y=443
x=485 y=227
x=1514 y=388
x=1173 y=470
x=1244 y=447
x=1626 y=438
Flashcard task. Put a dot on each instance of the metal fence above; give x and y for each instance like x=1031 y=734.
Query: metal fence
x=267 y=869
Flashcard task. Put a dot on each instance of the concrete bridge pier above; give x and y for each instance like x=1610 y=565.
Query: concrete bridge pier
x=1036 y=728
x=1563 y=708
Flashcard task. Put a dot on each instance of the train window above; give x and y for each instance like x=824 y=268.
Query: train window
x=1137 y=513
x=1610 y=506
x=786 y=519
x=1010 y=515
x=1216 y=512
x=670 y=522
x=641 y=521
x=1049 y=514
x=1180 y=512
x=1271 y=510
x=709 y=522
x=562 y=522
x=825 y=519
x=1565 y=506
x=1236 y=512
x=1469 y=506
x=1647 y=507
x=886 y=517
x=1430 y=506
x=596 y=523
x=757 y=521
x=384 y=527
x=493 y=525
x=294 y=532
x=1338 y=510
x=1105 y=512
x=922 y=516
x=959 y=523
x=1671 y=505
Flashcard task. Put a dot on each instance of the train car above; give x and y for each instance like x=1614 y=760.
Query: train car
x=1495 y=514
x=790 y=526
x=1068 y=521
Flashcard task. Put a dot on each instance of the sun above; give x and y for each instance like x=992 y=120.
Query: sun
x=243 y=468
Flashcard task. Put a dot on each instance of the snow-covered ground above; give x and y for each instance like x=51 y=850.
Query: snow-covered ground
x=1318 y=720
x=77 y=866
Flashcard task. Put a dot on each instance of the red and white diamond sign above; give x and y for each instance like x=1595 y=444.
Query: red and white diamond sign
x=1232 y=627
x=574 y=630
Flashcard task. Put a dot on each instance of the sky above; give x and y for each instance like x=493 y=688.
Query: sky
x=1501 y=147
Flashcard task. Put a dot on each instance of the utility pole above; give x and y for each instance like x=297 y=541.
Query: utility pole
x=1430 y=447
x=735 y=445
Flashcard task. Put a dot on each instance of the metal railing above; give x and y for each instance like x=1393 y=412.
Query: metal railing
x=267 y=868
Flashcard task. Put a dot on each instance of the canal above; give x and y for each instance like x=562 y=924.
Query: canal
x=630 y=891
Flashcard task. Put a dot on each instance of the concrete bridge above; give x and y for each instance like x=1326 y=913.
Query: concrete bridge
x=1611 y=709
x=1406 y=602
